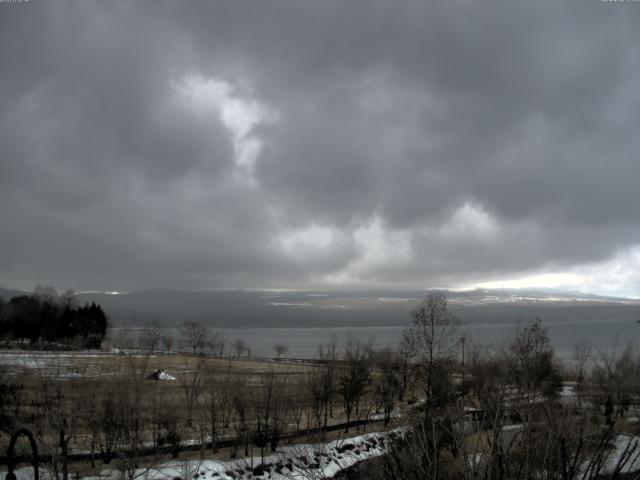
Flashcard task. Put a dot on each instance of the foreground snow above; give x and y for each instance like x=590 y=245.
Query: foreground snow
x=304 y=461
x=624 y=456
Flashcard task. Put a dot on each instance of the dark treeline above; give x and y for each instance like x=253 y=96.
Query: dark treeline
x=46 y=318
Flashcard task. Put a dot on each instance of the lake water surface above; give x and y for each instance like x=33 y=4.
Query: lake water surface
x=602 y=335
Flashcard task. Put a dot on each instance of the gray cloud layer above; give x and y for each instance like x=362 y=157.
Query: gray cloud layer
x=292 y=144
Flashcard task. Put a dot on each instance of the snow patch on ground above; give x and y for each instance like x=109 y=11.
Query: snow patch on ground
x=568 y=391
x=625 y=452
x=160 y=375
x=303 y=461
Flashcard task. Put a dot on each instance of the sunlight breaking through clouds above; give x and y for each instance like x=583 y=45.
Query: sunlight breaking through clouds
x=150 y=147
x=470 y=220
x=617 y=276
x=239 y=113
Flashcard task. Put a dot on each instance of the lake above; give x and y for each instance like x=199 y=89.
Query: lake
x=602 y=335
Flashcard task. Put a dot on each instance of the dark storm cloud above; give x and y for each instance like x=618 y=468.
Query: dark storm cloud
x=390 y=143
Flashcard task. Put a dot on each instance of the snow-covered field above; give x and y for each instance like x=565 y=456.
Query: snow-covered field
x=59 y=364
x=303 y=461
x=624 y=456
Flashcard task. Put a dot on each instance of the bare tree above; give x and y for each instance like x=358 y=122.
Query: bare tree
x=11 y=402
x=120 y=423
x=167 y=343
x=532 y=363
x=353 y=378
x=195 y=336
x=192 y=383
x=581 y=358
x=389 y=365
x=164 y=421
x=555 y=446
x=240 y=401
x=297 y=401
x=62 y=408
x=213 y=396
x=406 y=368
x=218 y=343
x=239 y=347
x=548 y=441
x=321 y=385
x=433 y=340
x=269 y=408
x=149 y=337
x=617 y=376
x=280 y=350
x=315 y=394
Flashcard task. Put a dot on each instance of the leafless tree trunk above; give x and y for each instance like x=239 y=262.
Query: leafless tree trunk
x=353 y=378
x=269 y=410
x=239 y=347
x=240 y=401
x=433 y=340
x=195 y=336
x=192 y=383
x=279 y=349
x=389 y=365
x=581 y=357
x=218 y=344
x=150 y=337
x=167 y=343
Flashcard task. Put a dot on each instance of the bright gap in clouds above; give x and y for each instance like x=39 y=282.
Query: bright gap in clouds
x=618 y=276
x=379 y=248
x=542 y=280
x=470 y=220
x=239 y=113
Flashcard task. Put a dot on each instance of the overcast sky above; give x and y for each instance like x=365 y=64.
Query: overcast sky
x=320 y=144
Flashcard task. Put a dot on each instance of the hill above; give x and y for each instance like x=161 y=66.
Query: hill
x=236 y=308
x=371 y=308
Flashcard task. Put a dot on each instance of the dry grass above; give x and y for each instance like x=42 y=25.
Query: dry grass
x=70 y=383
x=91 y=364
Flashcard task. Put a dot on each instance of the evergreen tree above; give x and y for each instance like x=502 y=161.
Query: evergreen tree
x=45 y=316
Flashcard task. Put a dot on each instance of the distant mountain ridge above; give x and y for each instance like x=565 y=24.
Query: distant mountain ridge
x=6 y=294
x=236 y=308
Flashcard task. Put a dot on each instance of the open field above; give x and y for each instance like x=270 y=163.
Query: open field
x=106 y=364
x=102 y=405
